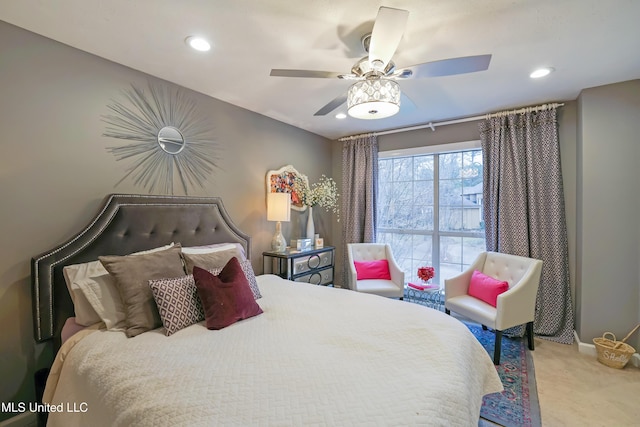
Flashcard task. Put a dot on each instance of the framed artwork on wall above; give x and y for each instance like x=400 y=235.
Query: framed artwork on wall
x=281 y=181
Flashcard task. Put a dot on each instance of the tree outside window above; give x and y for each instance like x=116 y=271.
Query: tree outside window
x=416 y=193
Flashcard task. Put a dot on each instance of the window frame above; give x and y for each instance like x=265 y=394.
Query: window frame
x=436 y=234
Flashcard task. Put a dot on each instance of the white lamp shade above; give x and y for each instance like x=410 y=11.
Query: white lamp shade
x=278 y=207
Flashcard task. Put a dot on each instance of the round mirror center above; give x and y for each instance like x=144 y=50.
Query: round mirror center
x=171 y=140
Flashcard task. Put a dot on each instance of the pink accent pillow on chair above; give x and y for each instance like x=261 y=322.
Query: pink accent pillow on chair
x=486 y=288
x=378 y=269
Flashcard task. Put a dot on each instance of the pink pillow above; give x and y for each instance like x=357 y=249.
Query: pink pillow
x=70 y=327
x=486 y=288
x=378 y=269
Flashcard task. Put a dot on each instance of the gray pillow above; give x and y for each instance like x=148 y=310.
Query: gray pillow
x=210 y=260
x=132 y=274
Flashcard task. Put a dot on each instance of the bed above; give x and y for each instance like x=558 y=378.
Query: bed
x=314 y=356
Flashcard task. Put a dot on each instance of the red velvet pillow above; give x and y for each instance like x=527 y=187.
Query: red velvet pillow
x=486 y=288
x=227 y=297
x=378 y=269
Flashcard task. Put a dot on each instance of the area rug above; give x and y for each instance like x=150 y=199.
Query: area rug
x=518 y=404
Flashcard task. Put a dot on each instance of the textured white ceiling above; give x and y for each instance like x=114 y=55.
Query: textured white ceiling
x=588 y=42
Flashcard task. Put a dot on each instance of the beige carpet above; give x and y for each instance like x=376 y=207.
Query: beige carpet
x=576 y=390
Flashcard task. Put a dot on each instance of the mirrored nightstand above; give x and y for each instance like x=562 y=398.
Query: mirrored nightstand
x=312 y=266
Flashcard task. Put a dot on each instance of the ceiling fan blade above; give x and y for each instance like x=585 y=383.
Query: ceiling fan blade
x=448 y=67
x=332 y=105
x=387 y=32
x=304 y=73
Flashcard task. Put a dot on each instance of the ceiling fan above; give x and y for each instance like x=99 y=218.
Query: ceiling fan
x=376 y=94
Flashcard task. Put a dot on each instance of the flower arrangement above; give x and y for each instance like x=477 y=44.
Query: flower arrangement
x=426 y=273
x=323 y=193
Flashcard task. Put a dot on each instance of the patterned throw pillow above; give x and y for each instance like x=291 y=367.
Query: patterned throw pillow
x=178 y=302
x=249 y=274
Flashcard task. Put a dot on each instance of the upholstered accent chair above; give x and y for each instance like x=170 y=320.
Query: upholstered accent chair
x=365 y=252
x=514 y=307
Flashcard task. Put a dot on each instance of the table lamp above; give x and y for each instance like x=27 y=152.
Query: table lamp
x=278 y=209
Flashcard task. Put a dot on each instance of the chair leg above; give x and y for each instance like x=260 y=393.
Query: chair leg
x=530 y=335
x=498 y=346
x=447 y=311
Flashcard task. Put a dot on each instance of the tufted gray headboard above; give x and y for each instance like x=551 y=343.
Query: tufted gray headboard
x=126 y=223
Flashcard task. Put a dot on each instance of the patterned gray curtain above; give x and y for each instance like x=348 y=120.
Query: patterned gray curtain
x=524 y=209
x=359 y=191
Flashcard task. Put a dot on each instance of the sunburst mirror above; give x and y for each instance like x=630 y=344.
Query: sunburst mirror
x=169 y=139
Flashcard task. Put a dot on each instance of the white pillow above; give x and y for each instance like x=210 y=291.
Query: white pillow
x=73 y=274
x=103 y=295
x=86 y=314
x=216 y=247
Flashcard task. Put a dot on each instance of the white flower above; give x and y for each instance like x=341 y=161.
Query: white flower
x=323 y=193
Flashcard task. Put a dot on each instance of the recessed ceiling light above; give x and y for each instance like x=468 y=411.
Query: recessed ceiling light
x=341 y=116
x=541 y=72
x=198 y=43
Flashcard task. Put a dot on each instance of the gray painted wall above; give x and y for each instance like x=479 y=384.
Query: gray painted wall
x=55 y=172
x=567 y=138
x=425 y=137
x=608 y=199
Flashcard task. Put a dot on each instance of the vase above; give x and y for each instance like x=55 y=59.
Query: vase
x=311 y=231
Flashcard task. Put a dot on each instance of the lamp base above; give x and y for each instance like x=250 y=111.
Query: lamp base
x=278 y=243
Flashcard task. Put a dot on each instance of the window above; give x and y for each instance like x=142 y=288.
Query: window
x=430 y=208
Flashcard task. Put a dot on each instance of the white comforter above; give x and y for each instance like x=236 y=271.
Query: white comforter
x=316 y=356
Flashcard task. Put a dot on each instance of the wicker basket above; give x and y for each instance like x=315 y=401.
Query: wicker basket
x=615 y=354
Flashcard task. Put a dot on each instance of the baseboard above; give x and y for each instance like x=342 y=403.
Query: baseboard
x=590 y=349
x=26 y=419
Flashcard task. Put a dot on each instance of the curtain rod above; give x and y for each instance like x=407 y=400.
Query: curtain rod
x=432 y=126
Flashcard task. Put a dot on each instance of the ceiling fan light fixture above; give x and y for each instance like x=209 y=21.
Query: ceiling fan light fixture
x=376 y=98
